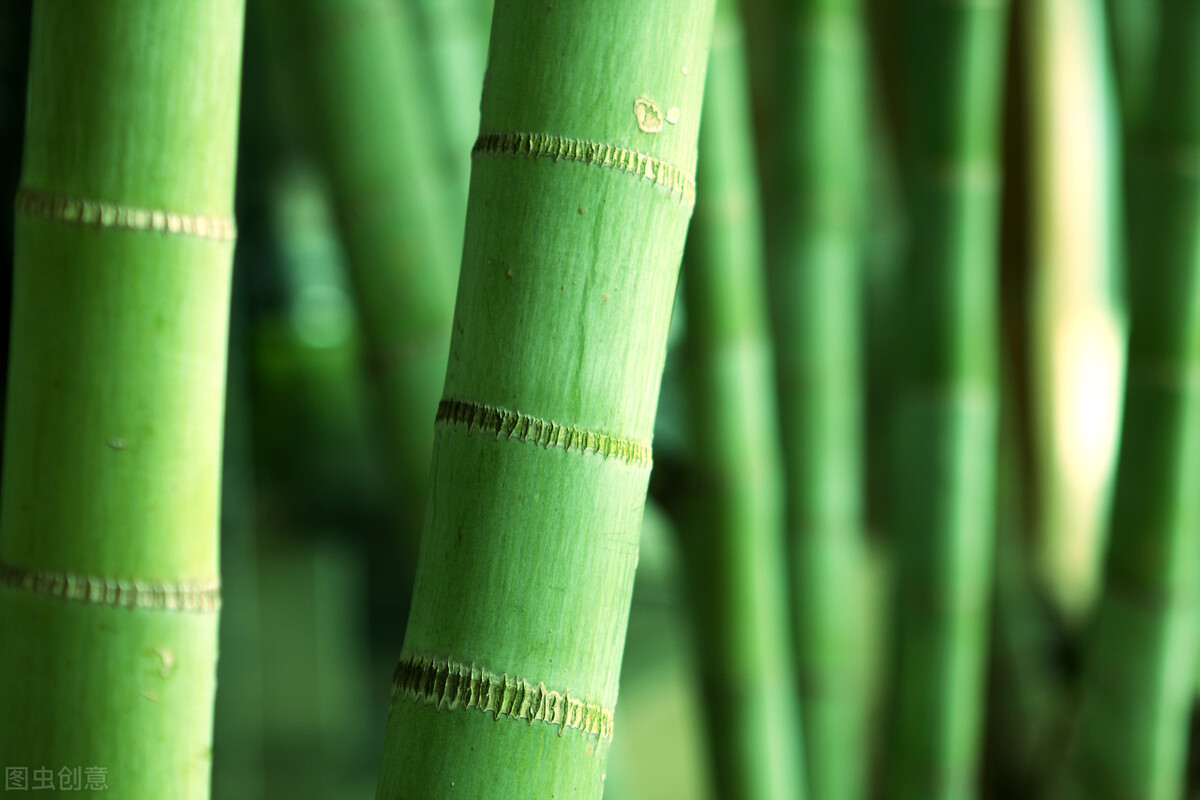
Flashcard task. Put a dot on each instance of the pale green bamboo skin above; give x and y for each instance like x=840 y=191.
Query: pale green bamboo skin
x=734 y=542
x=108 y=519
x=1140 y=675
x=541 y=454
x=947 y=402
x=374 y=138
x=812 y=105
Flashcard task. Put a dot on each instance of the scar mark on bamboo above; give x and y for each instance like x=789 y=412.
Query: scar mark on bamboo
x=511 y=424
x=596 y=154
x=452 y=685
x=648 y=115
x=168 y=661
x=197 y=596
x=88 y=213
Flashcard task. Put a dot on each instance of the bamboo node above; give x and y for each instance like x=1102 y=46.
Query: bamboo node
x=597 y=154
x=89 y=213
x=194 y=596
x=508 y=424
x=451 y=685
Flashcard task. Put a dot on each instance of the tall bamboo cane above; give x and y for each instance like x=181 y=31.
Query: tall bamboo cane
x=374 y=136
x=1133 y=29
x=812 y=107
x=454 y=42
x=356 y=60
x=735 y=543
x=108 y=520
x=1140 y=675
x=947 y=407
x=1075 y=328
x=581 y=190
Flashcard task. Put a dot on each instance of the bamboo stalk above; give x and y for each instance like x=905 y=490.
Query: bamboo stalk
x=581 y=190
x=815 y=144
x=238 y=730
x=735 y=543
x=1133 y=34
x=1023 y=704
x=1140 y=674
x=108 y=520
x=454 y=41
x=354 y=60
x=374 y=138
x=1075 y=326
x=947 y=405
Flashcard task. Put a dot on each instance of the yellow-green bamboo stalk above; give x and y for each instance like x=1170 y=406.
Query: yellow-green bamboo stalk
x=108 y=519
x=734 y=541
x=581 y=191
x=1076 y=328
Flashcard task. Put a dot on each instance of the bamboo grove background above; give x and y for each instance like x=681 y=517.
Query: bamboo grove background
x=924 y=514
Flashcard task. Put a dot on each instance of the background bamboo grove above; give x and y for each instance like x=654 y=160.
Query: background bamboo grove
x=675 y=399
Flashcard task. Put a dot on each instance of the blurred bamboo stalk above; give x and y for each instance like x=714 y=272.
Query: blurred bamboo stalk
x=238 y=731
x=109 y=515
x=1077 y=326
x=1024 y=717
x=1134 y=27
x=661 y=752
x=454 y=37
x=357 y=67
x=952 y=60
x=355 y=60
x=812 y=100
x=581 y=190
x=239 y=736
x=1140 y=674
x=735 y=541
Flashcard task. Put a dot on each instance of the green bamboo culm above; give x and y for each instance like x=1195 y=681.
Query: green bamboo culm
x=947 y=406
x=1133 y=29
x=371 y=131
x=734 y=542
x=814 y=93
x=1139 y=677
x=374 y=136
x=108 y=519
x=454 y=46
x=581 y=192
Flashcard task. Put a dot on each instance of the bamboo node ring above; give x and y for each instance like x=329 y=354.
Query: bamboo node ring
x=583 y=151
x=105 y=215
x=510 y=424
x=188 y=596
x=451 y=685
